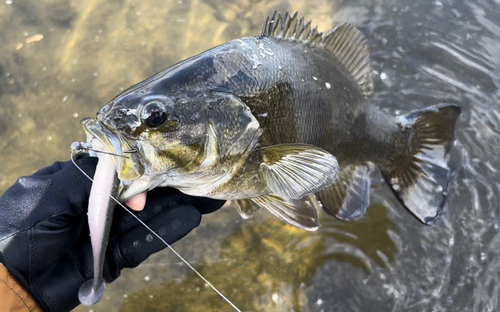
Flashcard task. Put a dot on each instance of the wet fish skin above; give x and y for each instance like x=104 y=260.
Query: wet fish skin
x=278 y=114
x=203 y=84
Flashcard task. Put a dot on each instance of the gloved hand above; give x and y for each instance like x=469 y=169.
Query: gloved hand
x=44 y=235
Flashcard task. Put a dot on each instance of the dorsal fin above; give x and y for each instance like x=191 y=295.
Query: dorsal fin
x=290 y=27
x=350 y=47
x=346 y=42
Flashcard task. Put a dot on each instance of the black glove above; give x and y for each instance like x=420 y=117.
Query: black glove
x=44 y=235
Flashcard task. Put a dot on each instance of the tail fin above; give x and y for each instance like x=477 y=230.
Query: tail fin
x=422 y=185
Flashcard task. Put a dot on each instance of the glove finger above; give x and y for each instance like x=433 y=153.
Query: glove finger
x=56 y=234
x=80 y=159
x=33 y=199
x=83 y=163
x=55 y=167
x=205 y=205
x=72 y=184
x=158 y=201
x=60 y=261
x=138 y=244
x=69 y=187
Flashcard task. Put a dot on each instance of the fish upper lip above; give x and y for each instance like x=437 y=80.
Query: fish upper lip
x=96 y=129
x=127 y=166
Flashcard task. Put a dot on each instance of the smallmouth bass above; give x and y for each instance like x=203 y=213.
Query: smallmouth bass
x=281 y=121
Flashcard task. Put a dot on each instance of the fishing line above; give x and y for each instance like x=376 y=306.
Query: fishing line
x=147 y=227
x=80 y=147
x=96 y=151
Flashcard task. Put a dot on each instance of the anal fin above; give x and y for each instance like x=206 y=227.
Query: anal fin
x=348 y=197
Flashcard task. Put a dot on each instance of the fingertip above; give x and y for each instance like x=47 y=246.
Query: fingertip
x=137 y=202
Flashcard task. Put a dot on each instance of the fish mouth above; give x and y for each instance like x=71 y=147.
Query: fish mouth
x=127 y=163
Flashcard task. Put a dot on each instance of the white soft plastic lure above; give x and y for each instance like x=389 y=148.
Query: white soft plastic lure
x=100 y=216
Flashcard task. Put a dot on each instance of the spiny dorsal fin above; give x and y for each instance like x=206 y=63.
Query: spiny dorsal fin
x=290 y=27
x=346 y=42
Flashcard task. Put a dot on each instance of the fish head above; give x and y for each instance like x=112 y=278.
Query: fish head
x=155 y=135
x=172 y=137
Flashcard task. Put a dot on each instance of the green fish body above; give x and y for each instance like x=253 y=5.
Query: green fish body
x=281 y=121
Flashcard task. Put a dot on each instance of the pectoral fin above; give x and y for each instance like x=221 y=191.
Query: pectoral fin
x=293 y=171
x=300 y=213
x=348 y=197
x=246 y=207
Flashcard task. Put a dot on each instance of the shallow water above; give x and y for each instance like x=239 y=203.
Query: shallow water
x=423 y=53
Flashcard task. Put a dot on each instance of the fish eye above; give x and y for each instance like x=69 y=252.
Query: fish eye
x=154 y=114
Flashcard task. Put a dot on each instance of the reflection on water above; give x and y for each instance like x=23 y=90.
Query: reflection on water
x=266 y=258
x=62 y=60
x=268 y=266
